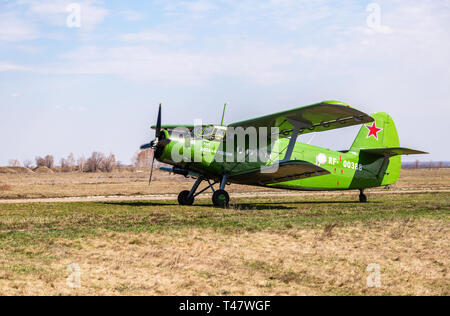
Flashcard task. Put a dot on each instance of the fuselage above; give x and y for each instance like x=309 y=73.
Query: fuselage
x=209 y=155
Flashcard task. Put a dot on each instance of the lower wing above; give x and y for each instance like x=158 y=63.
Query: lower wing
x=277 y=173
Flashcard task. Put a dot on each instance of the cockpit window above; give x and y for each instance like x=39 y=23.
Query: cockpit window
x=208 y=132
x=219 y=134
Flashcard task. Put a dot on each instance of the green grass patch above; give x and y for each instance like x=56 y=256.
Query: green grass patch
x=41 y=223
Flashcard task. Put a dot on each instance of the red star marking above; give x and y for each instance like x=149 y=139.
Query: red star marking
x=373 y=130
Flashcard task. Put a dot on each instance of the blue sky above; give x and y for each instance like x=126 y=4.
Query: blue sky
x=97 y=87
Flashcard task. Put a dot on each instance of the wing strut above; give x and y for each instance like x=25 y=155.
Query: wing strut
x=297 y=127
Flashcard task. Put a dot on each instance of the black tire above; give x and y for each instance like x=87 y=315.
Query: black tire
x=221 y=199
x=363 y=198
x=183 y=198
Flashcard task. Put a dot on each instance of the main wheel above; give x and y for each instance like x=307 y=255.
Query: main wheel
x=221 y=198
x=183 y=198
x=363 y=198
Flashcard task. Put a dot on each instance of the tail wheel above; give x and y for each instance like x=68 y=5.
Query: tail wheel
x=183 y=198
x=221 y=199
x=363 y=198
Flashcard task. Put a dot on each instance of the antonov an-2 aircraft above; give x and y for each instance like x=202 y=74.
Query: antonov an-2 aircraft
x=373 y=160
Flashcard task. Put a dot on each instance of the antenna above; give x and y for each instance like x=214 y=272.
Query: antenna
x=223 y=114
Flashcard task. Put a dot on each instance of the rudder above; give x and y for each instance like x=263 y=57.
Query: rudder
x=382 y=133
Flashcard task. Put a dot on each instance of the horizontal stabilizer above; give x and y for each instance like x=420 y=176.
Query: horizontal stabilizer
x=391 y=152
x=277 y=173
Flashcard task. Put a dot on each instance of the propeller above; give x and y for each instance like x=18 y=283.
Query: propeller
x=154 y=143
x=151 y=169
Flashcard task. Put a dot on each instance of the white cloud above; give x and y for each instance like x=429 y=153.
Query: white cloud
x=77 y=108
x=155 y=36
x=7 y=66
x=412 y=34
x=54 y=12
x=132 y=16
x=191 y=6
x=252 y=61
x=15 y=29
x=193 y=9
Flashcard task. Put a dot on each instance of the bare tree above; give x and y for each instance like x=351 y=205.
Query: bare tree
x=71 y=160
x=108 y=163
x=28 y=164
x=49 y=161
x=135 y=159
x=94 y=162
x=143 y=158
x=64 y=165
x=81 y=162
x=67 y=164
x=14 y=163
x=40 y=162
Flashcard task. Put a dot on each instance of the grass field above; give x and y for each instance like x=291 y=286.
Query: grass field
x=316 y=244
x=126 y=183
x=123 y=183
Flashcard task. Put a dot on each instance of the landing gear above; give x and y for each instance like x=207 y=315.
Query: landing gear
x=184 y=199
x=220 y=197
x=362 y=196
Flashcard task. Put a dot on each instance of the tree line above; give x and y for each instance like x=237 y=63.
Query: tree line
x=95 y=163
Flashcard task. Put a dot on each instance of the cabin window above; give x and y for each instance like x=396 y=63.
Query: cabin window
x=219 y=134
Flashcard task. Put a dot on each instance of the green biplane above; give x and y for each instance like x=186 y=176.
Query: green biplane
x=243 y=153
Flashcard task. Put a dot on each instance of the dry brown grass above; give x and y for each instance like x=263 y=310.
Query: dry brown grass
x=130 y=183
x=205 y=262
x=15 y=170
x=4 y=187
x=124 y=183
x=424 y=178
x=312 y=250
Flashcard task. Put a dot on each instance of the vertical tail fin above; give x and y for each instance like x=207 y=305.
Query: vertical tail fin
x=380 y=134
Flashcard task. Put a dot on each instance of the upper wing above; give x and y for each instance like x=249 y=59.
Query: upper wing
x=285 y=171
x=172 y=127
x=391 y=152
x=318 y=117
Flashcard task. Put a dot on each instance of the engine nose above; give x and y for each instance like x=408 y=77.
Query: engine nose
x=160 y=144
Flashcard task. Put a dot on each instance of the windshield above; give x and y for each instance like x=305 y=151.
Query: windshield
x=209 y=133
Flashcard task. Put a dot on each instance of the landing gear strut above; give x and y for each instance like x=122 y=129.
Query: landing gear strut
x=362 y=196
x=220 y=197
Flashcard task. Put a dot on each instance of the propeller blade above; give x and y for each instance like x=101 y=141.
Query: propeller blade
x=146 y=146
x=158 y=124
x=151 y=169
